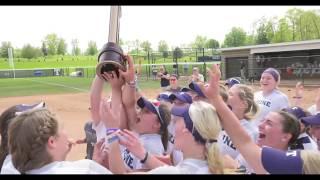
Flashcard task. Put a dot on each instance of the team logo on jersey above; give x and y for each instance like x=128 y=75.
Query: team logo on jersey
x=171 y=138
x=127 y=158
x=226 y=140
x=264 y=102
x=291 y=153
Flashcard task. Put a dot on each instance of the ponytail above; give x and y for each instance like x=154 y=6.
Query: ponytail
x=214 y=158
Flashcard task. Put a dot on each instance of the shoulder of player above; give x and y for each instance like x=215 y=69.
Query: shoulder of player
x=278 y=93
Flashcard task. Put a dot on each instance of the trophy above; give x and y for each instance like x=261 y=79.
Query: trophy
x=111 y=56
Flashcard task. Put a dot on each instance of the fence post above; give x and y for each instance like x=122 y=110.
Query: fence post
x=148 y=64
x=205 y=66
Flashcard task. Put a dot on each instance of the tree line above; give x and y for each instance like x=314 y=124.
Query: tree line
x=296 y=25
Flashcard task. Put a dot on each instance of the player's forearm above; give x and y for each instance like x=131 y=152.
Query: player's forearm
x=128 y=96
x=95 y=98
x=129 y=101
x=116 y=164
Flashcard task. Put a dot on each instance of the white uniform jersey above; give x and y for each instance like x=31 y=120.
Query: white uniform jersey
x=187 y=166
x=201 y=78
x=151 y=142
x=244 y=165
x=177 y=155
x=84 y=166
x=224 y=141
x=101 y=130
x=275 y=101
x=304 y=141
x=313 y=110
x=7 y=166
x=171 y=132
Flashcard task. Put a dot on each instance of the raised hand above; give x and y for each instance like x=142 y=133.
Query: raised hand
x=100 y=153
x=212 y=90
x=318 y=101
x=132 y=143
x=109 y=118
x=299 y=89
x=129 y=74
x=113 y=79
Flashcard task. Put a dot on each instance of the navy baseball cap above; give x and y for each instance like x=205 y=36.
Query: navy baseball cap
x=185 y=89
x=164 y=96
x=312 y=120
x=196 y=88
x=232 y=81
x=296 y=111
x=25 y=107
x=276 y=161
x=183 y=111
x=182 y=96
x=151 y=106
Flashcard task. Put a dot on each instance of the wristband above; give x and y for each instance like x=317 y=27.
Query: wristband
x=111 y=130
x=145 y=158
x=132 y=84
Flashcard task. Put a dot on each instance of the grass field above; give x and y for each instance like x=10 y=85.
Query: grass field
x=54 y=85
x=71 y=61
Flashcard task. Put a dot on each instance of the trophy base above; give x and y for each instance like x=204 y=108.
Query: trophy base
x=108 y=66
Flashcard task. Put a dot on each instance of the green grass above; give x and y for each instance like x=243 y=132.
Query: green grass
x=50 y=62
x=80 y=61
x=54 y=85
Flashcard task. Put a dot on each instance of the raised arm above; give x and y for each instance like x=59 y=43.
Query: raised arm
x=95 y=99
x=129 y=93
x=133 y=144
x=116 y=99
x=298 y=97
x=116 y=164
x=246 y=146
x=318 y=101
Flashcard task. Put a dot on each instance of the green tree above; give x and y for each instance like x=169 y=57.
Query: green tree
x=235 y=38
x=250 y=40
x=44 y=49
x=92 y=48
x=62 y=47
x=136 y=44
x=270 y=28
x=162 y=46
x=262 y=37
x=293 y=16
x=30 y=52
x=165 y=54
x=212 y=43
x=177 y=53
x=52 y=42
x=146 y=46
x=75 y=47
x=283 y=32
x=199 y=42
x=303 y=25
x=4 y=49
x=17 y=53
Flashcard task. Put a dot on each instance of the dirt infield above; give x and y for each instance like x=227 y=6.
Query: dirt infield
x=72 y=110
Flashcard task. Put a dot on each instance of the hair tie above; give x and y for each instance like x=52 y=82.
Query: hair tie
x=212 y=141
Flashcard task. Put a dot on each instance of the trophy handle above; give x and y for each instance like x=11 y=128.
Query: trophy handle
x=111 y=57
x=114 y=24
